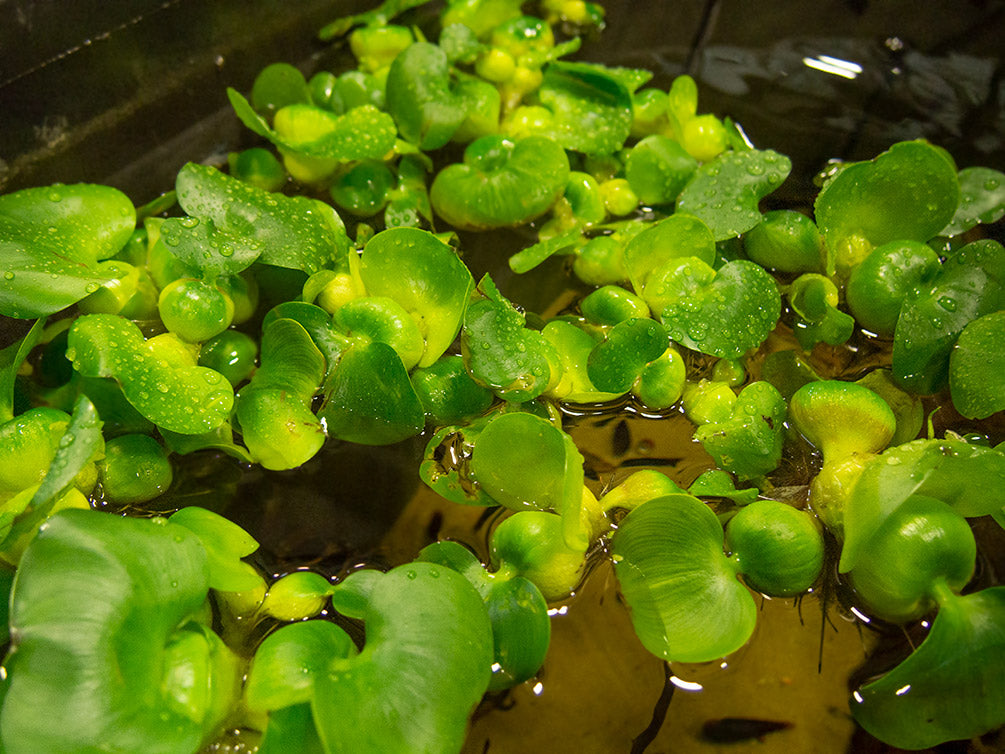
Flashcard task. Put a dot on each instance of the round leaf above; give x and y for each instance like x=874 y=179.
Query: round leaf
x=909 y=192
x=686 y=602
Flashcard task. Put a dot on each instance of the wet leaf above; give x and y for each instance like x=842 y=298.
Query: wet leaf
x=52 y=241
x=724 y=193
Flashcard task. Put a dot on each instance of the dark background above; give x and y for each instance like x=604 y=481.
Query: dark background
x=125 y=91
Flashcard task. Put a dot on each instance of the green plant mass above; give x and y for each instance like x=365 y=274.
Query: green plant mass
x=301 y=306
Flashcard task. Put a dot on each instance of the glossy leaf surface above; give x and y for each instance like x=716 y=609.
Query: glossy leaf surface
x=686 y=602
x=126 y=673
x=181 y=397
x=909 y=192
x=977 y=367
x=982 y=200
x=52 y=241
x=503 y=354
x=592 y=109
x=502 y=182
x=369 y=398
x=970 y=478
x=424 y=666
x=434 y=290
x=724 y=193
x=292 y=232
x=951 y=687
x=970 y=284
x=521 y=628
x=286 y=663
x=723 y=312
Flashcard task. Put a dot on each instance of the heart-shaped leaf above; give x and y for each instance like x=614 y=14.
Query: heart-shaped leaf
x=502 y=182
x=749 y=442
x=102 y=619
x=686 y=602
x=369 y=398
x=723 y=312
x=908 y=193
x=424 y=666
x=724 y=193
x=977 y=367
x=51 y=242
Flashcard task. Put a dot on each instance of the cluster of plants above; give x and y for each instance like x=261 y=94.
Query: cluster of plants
x=317 y=290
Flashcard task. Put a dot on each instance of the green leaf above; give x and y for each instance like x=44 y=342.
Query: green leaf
x=592 y=108
x=521 y=628
x=951 y=687
x=421 y=98
x=286 y=663
x=674 y=238
x=181 y=398
x=51 y=242
x=424 y=666
x=982 y=200
x=510 y=359
x=80 y=444
x=749 y=442
x=908 y=193
x=970 y=284
x=213 y=251
x=724 y=192
x=102 y=618
x=619 y=360
x=225 y=543
x=970 y=478
x=723 y=312
x=446 y=469
x=369 y=398
x=779 y=548
x=11 y=359
x=814 y=299
x=426 y=277
x=360 y=134
x=977 y=367
x=527 y=259
x=293 y=232
x=502 y=182
x=685 y=600
x=522 y=461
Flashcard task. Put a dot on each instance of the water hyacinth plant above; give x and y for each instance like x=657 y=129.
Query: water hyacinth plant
x=314 y=292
